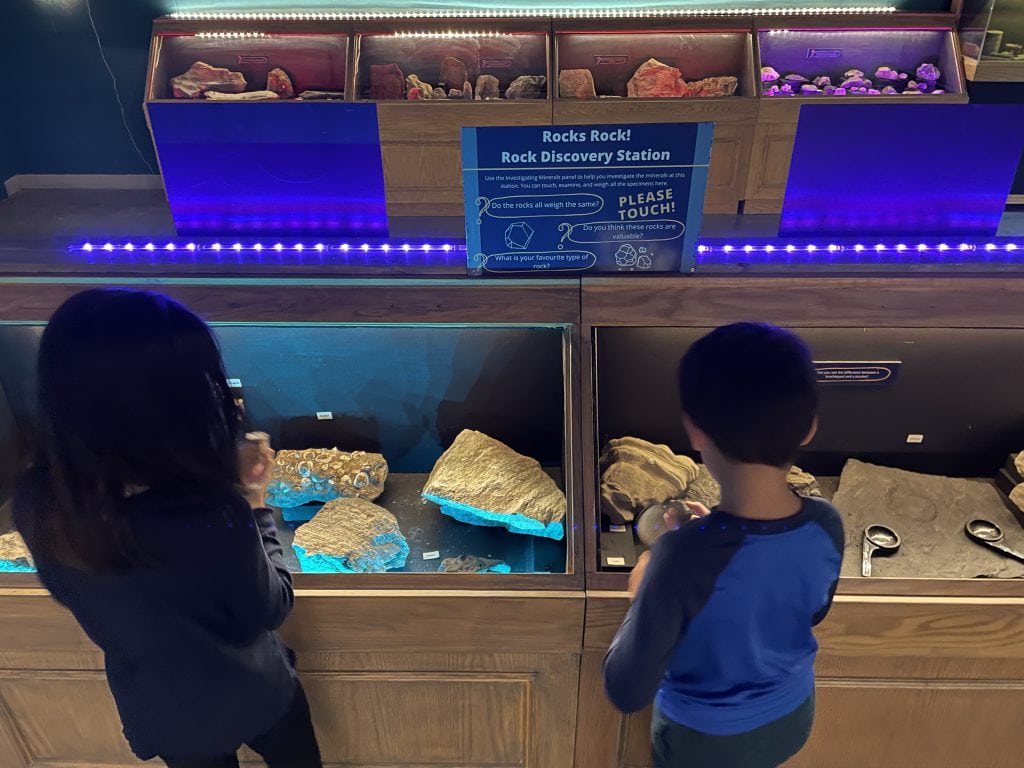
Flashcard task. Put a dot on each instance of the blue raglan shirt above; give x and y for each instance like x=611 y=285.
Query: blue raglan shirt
x=720 y=632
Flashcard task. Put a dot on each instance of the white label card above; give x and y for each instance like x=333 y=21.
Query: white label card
x=617 y=528
x=235 y=383
x=615 y=560
x=431 y=555
x=324 y=416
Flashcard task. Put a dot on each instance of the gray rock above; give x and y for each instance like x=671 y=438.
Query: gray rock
x=322 y=95
x=487 y=87
x=527 y=87
x=929 y=513
x=472 y=564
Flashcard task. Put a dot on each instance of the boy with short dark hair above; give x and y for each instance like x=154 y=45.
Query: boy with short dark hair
x=719 y=633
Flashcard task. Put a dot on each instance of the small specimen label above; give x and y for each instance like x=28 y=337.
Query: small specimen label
x=324 y=416
x=431 y=555
x=615 y=561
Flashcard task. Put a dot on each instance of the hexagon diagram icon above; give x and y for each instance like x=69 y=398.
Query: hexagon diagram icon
x=518 y=235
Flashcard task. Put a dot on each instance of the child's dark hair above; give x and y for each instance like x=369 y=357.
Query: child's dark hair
x=750 y=387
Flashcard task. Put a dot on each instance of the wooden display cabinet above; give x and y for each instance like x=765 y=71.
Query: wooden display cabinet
x=992 y=38
x=919 y=672
x=412 y=669
x=421 y=139
x=613 y=56
x=814 y=52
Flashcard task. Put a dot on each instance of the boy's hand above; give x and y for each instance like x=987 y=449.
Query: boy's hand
x=255 y=467
x=675 y=518
x=637 y=574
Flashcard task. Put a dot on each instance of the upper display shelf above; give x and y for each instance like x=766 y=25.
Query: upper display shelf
x=992 y=35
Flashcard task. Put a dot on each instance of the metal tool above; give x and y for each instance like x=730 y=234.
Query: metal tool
x=988 y=534
x=881 y=539
x=650 y=525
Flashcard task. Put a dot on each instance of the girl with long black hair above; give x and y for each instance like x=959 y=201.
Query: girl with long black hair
x=144 y=513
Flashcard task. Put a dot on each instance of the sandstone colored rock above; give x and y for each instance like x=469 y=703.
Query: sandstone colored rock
x=387 y=82
x=576 y=84
x=712 y=86
x=706 y=490
x=472 y=564
x=1018 y=463
x=636 y=474
x=1017 y=496
x=322 y=95
x=481 y=481
x=320 y=474
x=929 y=513
x=14 y=555
x=279 y=82
x=467 y=90
x=247 y=96
x=454 y=93
x=201 y=78
x=439 y=94
x=426 y=91
x=351 y=535
x=653 y=80
x=453 y=72
x=487 y=88
x=527 y=87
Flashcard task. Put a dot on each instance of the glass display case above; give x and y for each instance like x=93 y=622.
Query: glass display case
x=649 y=65
x=894 y=448
x=403 y=449
x=858 y=62
x=248 y=66
x=451 y=66
x=992 y=39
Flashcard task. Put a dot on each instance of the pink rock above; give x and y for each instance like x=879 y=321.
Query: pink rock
x=711 y=87
x=573 y=84
x=386 y=82
x=279 y=82
x=414 y=94
x=201 y=77
x=653 y=80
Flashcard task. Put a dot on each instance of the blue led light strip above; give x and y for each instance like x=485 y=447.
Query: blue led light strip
x=317 y=248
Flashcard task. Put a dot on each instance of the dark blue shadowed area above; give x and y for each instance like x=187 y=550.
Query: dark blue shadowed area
x=887 y=170
x=272 y=169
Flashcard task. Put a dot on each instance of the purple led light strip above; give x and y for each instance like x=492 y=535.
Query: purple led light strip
x=318 y=248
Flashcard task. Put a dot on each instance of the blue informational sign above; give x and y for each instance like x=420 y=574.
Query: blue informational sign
x=604 y=198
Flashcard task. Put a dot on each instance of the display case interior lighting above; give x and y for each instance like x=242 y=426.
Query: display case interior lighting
x=867 y=252
x=549 y=13
x=230 y=35
x=319 y=251
x=446 y=35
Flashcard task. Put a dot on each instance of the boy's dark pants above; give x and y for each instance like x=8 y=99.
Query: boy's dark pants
x=676 y=746
x=289 y=744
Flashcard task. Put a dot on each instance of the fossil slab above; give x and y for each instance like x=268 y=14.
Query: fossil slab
x=14 y=555
x=472 y=564
x=636 y=474
x=351 y=535
x=929 y=513
x=481 y=481
x=247 y=96
x=324 y=474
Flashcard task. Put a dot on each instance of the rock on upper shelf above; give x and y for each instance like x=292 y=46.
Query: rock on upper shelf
x=929 y=513
x=201 y=78
x=351 y=535
x=324 y=474
x=481 y=481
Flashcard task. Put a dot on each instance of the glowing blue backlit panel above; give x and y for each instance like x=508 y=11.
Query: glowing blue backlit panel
x=889 y=171
x=301 y=169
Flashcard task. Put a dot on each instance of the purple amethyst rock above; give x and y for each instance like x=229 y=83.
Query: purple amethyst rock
x=904 y=76
x=786 y=88
x=862 y=89
x=912 y=86
x=809 y=88
x=886 y=73
x=938 y=92
x=795 y=78
x=851 y=73
x=769 y=75
x=830 y=90
x=772 y=91
x=889 y=91
x=874 y=92
x=856 y=82
x=928 y=72
x=822 y=82
x=839 y=91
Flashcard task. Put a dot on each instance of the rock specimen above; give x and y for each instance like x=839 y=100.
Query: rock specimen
x=1017 y=497
x=527 y=87
x=887 y=73
x=796 y=79
x=351 y=535
x=472 y=564
x=322 y=95
x=482 y=481
x=453 y=72
x=653 y=80
x=487 y=88
x=928 y=72
x=454 y=93
x=636 y=474
x=823 y=82
x=386 y=82
x=769 y=75
x=929 y=513
x=467 y=90
x=576 y=84
x=888 y=81
x=318 y=474
x=201 y=78
x=279 y=82
x=712 y=86
x=426 y=91
x=14 y=555
x=247 y=96
x=439 y=94
x=414 y=94
x=1018 y=463
x=706 y=490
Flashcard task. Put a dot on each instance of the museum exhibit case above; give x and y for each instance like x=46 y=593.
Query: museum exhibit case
x=904 y=443
x=992 y=38
x=574 y=65
x=426 y=493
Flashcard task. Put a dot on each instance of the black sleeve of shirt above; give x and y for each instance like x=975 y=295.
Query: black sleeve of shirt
x=830 y=520
x=680 y=579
